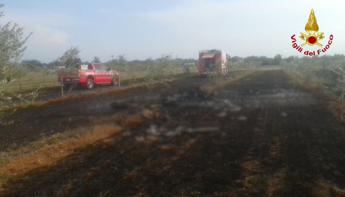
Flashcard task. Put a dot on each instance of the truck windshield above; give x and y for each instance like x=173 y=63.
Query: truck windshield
x=84 y=67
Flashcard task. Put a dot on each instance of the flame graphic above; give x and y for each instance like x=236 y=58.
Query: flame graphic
x=312 y=23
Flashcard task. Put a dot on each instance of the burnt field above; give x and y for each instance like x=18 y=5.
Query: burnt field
x=261 y=135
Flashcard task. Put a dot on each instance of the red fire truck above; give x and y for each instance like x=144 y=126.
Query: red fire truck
x=213 y=62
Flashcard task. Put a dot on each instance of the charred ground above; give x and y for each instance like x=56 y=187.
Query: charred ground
x=259 y=136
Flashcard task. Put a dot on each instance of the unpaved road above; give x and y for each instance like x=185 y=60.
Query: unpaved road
x=260 y=136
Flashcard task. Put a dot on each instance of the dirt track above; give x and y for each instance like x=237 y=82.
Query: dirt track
x=260 y=136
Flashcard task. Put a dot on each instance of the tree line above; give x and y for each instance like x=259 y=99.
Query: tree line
x=13 y=40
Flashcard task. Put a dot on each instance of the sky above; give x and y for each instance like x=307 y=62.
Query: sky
x=141 y=29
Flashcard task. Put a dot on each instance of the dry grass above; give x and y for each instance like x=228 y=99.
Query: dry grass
x=74 y=98
x=34 y=80
x=335 y=106
x=48 y=151
x=31 y=81
x=326 y=189
x=48 y=82
x=51 y=150
x=297 y=79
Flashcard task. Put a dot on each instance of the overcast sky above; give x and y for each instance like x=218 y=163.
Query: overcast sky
x=140 y=29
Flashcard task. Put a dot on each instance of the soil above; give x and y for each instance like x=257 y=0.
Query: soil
x=259 y=136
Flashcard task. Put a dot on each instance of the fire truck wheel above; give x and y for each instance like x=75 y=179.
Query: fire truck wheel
x=90 y=84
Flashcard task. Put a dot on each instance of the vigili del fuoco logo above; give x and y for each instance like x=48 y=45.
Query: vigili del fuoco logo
x=311 y=39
